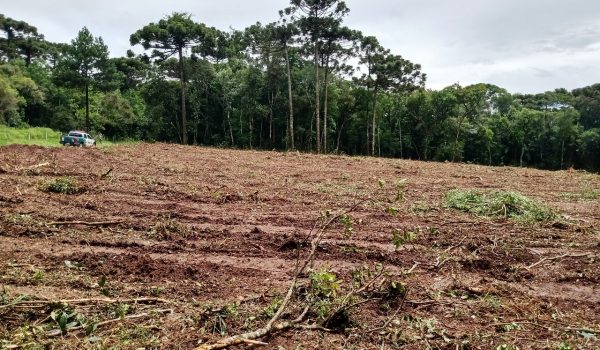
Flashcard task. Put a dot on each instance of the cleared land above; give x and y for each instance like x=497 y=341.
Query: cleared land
x=179 y=246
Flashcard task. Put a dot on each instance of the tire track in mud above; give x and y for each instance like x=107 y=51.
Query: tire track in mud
x=267 y=265
x=280 y=269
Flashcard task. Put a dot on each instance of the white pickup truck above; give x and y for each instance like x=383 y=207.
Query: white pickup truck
x=77 y=138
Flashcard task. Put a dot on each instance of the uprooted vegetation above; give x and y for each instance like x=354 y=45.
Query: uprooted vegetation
x=504 y=204
x=245 y=248
x=64 y=185
x=168 y=229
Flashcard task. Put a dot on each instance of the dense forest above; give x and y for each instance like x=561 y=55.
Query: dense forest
x=305 y=82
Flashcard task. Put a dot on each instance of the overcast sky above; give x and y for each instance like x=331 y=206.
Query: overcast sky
x=522 y=45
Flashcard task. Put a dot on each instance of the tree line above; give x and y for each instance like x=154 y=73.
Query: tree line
x=305 y=82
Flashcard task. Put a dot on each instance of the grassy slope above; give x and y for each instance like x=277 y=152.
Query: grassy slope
x=34 y=136
x=29 y=136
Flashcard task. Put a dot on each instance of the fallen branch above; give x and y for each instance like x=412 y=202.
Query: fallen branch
x=567 y=255
x=273 y=325
x=250 y=336
x=84 y=223
x=31 y=167
x=107 y=174
x=438 y=264
x=37 y=303
x=412 y=269
x=255 y=342
x=31 y=266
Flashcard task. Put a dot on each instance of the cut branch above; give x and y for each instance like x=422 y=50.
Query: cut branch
x=557 y=258
x=274 y=325
x=84 y=223
x=37 y=303
x=32 y=167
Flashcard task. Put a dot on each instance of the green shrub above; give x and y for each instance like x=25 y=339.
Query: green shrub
x=65 y=185
x=505 y=204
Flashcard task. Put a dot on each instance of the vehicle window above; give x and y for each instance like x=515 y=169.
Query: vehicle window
x=75 y=134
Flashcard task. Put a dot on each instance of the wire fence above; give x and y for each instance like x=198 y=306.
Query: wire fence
x=29 y=136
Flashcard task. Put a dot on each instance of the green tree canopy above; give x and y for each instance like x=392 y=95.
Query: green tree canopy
x=86 y=65
x=172 y=36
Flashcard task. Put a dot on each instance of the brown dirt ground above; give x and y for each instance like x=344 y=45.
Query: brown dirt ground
x=205 y=228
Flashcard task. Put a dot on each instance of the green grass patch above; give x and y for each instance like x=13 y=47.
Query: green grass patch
x=29 y=136
x=585 y=194
x=45 y=137
x=499 y=204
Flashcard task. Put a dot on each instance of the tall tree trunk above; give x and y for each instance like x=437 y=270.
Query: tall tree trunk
x=317 y=98
x=562 y=154
x=260 y=134
x=401 y=143
x=522 y=153
x=206 y=131
x=374 y=127
x=87 y=105
x=230 y=128
x=325 y=105
x=457 y=138
x=183 y=110
x=241 y=123
x=368 y=134
x=271 y=119
x=367 y=118
x=379 y=140
x=339 y=136
x=251 y=130
x=417 y=150
x=290 y=102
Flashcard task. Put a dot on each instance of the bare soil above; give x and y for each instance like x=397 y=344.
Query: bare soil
x=213 y=235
